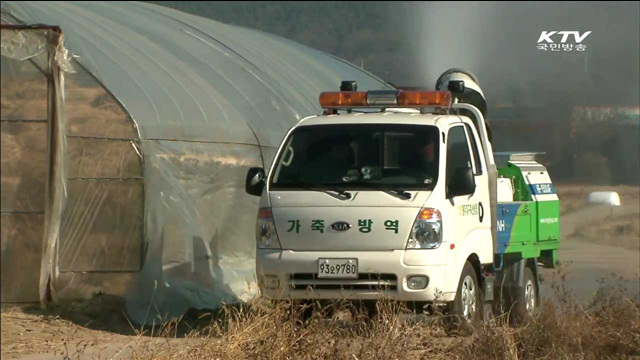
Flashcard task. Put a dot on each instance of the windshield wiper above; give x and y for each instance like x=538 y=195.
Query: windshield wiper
x=321 y=187
x=344 y=193
x=404 y=194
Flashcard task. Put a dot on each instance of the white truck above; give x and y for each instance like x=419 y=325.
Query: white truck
x=397 y=194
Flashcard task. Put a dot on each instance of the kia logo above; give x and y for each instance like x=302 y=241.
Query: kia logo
x=341 y=226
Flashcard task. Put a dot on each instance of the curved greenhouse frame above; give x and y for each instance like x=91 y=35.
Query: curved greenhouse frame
x=131 y=175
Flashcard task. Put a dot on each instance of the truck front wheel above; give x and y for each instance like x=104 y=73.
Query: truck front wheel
x=467 y=306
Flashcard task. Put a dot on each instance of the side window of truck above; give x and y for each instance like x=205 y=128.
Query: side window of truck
x=458 y=155
x=474 y=149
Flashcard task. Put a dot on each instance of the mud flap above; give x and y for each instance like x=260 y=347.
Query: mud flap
x=510 y=282
x=536 y=276
x=488 y=297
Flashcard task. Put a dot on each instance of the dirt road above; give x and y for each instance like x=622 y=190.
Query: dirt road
x=586 y=263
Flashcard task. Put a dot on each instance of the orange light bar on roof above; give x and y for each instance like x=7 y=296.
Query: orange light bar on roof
x=385 y=98
x=343 y=99
x=424 y=98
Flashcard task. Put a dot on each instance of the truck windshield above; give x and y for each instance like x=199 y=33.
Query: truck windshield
x=359 y=156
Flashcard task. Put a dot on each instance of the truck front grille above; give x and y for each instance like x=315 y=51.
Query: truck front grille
x=365 y=282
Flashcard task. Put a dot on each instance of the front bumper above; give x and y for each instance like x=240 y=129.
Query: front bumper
x=383 y=274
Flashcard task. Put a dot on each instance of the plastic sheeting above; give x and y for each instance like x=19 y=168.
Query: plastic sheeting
x=183 y=77
x=202 y=222
x=163 y=116
x=24 y=45
x=24 y=119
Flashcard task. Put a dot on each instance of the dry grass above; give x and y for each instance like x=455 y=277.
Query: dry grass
x=619 y=231
x=280 y=332
x=608 y=332
x=606 y=328
x=613 y=230
x=574 y=197
x=609 y=327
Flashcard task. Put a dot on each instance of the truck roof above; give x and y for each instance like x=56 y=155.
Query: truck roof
x=382 y=118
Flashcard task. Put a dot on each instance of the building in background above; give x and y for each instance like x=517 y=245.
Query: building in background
x=596 y=144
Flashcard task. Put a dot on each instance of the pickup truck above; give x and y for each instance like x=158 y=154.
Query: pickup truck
x=398 y=194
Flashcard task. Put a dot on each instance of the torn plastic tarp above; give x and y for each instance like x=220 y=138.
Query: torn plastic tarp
x=23 y=45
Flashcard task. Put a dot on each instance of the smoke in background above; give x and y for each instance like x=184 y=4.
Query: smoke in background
x=412 y=43
x=539 y=97
x=497 y=41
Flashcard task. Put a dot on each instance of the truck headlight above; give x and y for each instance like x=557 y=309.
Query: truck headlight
x=427 y=230
x=266 y=236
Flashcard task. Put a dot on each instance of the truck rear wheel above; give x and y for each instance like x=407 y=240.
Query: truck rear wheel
x=467 y=306
x=526 y=298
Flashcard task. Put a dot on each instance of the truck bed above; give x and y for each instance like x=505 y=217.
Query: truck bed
x=528 y=226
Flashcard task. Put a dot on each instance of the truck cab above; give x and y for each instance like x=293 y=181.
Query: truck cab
x=392 y=199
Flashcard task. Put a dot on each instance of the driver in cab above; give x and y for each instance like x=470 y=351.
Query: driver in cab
x=328 y=160
x=423 y=166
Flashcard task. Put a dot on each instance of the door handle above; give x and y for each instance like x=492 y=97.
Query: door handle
x=481 y=212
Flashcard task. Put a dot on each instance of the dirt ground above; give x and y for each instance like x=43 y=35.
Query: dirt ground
x=610 y=228
x=78 y=331
x=622 y=231
x=574 y=197
x=62 y=329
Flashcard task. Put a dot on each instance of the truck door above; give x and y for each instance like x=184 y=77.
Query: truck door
x=471 y=213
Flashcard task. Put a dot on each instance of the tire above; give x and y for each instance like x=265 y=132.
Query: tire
x=525 y=303
x=467 y=307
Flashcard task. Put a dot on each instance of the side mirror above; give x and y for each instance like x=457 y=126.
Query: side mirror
x=255 y=181
x=462 y=183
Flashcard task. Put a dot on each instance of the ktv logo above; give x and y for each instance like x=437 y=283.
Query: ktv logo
x=546 y=42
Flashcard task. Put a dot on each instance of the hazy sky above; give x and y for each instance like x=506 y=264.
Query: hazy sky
x=411 y=43
x=498 y=42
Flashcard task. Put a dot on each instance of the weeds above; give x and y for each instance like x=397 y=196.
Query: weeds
x=283 y=331
x=606 y=328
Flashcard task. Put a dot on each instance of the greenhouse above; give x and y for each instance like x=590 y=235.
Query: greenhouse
x=127 y=131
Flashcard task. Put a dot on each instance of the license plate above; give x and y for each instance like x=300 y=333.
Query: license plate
x=338 y=268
